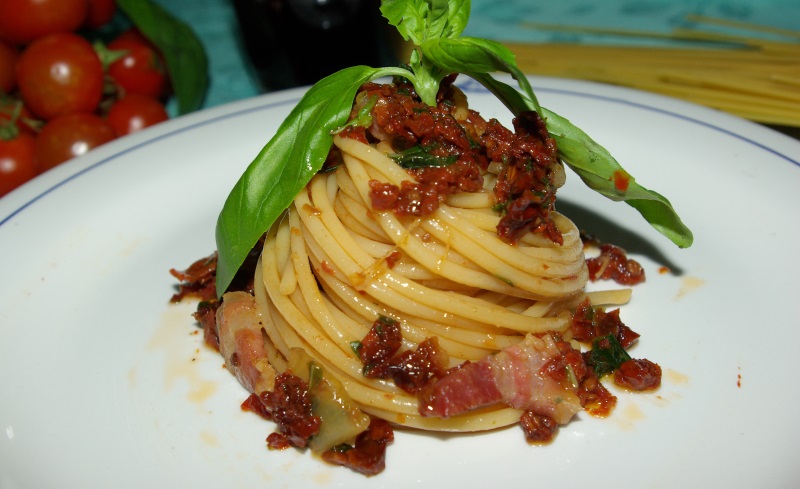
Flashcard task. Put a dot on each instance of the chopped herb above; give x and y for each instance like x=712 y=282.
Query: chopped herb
x=342 y=448
x=607 y=355
x=508 y=281
x=381 y=321
x=500 y=207
x=386 y=319
x=528 y=164
x=420 y=157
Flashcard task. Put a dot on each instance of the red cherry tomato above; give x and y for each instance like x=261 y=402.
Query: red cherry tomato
x=8 y=59
x=100 y=13
x=134 y=112
x=22 y=21
x=142 y=69
x=17 y=162
x=70 y=135
x=59 y=74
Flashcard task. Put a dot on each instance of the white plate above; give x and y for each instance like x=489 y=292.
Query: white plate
x=104 y=384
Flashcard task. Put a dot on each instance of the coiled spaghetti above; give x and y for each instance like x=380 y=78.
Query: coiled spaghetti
x=333 y=265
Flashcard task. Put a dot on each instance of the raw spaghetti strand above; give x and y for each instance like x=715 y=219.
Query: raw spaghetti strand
x=747 y=76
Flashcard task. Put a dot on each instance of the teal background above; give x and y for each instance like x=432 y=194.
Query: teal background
x=232 y=78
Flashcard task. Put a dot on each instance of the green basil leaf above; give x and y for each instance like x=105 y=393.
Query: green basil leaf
x=285 y=165
x=437 y=18
x=187 y=64
x=596 y=167
x=476 y=57
x=458 y=16
x=428 y=78
x=408 y=17
x=598 y=170
x=418 y=20
x=447 y=19
x=513 y=99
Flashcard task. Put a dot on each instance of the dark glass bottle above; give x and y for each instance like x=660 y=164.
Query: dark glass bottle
x=297 y=42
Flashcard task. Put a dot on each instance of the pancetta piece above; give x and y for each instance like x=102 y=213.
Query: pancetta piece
x=520 y=376
x=241 y=342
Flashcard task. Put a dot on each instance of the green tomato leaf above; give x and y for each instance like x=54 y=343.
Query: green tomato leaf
x=285 y=165
x=187 y=64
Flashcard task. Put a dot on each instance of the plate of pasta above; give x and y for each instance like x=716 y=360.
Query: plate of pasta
x=107 y=384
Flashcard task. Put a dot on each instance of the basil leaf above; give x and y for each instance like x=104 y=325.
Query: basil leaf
x=417 y=20
x=437 y=18
x=285 y=165
x=596 y=167
x=599 y=171
x=408 y=17
x=428 y=78
x=458 y=17
x=447 y=19
x=476 y=57
x=187 y=64
x=593 y=163
x=513 y=99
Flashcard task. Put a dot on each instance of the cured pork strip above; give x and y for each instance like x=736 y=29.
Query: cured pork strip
x=518 y=376
x=241 y=342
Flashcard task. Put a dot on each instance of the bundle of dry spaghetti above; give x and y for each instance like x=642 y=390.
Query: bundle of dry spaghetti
x=753 y=78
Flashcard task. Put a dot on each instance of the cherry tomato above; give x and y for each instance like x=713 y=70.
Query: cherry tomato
x=59 y=74
x=134 y=112
x=100 y=13
x=8 y=59
x=22 y=21
x=141 y=69
x=17 y=162
x=70 y=135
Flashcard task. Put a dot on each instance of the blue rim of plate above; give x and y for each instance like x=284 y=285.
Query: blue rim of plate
x=470 y=86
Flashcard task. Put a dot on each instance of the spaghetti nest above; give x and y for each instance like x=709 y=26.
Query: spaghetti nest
x=334 y=264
